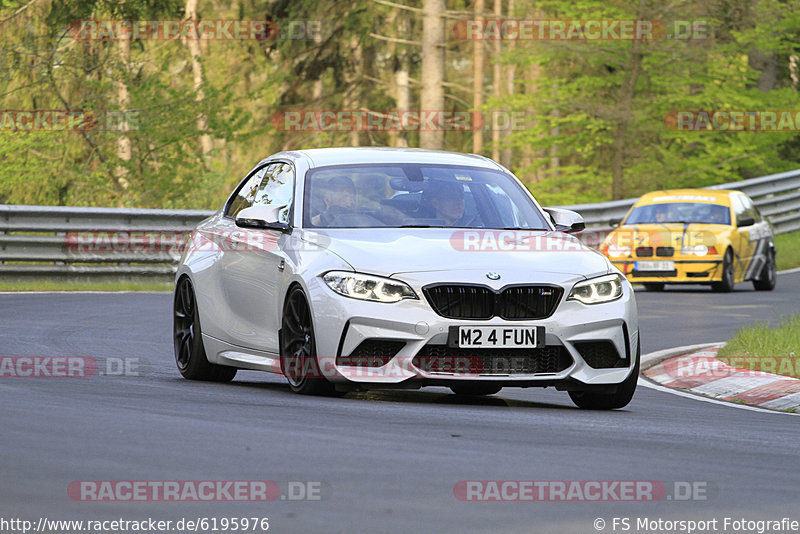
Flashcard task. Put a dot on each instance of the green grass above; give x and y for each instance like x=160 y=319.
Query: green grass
x=48 y=285
x=761 y=347
x=788 y=250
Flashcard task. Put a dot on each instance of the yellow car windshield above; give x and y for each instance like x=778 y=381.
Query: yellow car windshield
x=680 y=212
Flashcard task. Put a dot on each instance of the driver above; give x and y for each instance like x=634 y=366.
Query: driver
x=661 y=213
x=447 y=199
x=339 y=196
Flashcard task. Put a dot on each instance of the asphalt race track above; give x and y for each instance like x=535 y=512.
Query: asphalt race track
x=384 y=461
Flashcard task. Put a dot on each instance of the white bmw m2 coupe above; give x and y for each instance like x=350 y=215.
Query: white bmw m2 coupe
x=361 y=268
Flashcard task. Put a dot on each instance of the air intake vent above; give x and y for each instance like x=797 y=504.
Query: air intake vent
x=441 y=359
x=665 y=252
x=372 y=353
x=600 y=354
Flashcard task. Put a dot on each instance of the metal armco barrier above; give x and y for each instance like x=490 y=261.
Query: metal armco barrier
x=92 y=244
x=117 y=244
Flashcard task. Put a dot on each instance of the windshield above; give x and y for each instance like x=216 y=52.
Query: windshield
x=413 y=195
x=680 y=212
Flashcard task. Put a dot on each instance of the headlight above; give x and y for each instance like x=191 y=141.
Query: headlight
x=615 y=251
x=597 y=290
x=697 y=250
x=368 y=287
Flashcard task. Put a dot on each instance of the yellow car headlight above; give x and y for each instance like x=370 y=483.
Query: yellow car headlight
x=615 y=251
x=697 y=250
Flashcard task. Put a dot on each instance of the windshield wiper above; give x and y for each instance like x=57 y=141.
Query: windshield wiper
x=472 y=227
x=526 y=229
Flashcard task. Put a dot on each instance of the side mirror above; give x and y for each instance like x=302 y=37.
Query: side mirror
x=262 y=218
x=566 y=220
x=745 y=221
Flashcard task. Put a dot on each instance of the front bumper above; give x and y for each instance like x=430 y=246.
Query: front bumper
x=693 y=271
x=343 y=324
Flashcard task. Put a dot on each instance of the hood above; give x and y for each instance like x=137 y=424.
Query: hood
x=389 y=251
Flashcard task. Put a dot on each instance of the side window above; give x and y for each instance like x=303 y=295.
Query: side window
x=749 y=208
x=738 y=207
x=277 y=189
x=246 y=195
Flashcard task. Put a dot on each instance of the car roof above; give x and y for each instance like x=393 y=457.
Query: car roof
x=320 y=157
x=711 y=196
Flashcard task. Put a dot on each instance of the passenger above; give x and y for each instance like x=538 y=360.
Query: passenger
x=717 y=216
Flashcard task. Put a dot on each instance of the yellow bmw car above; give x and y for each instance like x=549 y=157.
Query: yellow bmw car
x=694 y=236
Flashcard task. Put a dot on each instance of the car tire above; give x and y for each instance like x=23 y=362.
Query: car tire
x=475 y=389
x=609 y=401
x=654 y=286
x=768 y=277
x=726 y=285
x=299 y=349
x=190 y=354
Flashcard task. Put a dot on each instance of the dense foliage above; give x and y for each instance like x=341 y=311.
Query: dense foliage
x=178 y=123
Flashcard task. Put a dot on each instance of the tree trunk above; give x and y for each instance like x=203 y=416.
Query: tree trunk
x=317 y=87
x=526 y=152
x=506 y=153
x=432 y=97
x=124 y=149
x=477 y=80
x=555 y=131
x=352 y=98
x=767 y=65
x=530 y=159
x=627 y=92
x=398 y=21
x=401 y=81
x=497 y=84
x=197 y=77
x=794 y=69
x=403 y=95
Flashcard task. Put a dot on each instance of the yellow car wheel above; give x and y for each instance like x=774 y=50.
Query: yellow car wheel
x=769 y=275
x=726 y=284
x=654 y=286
